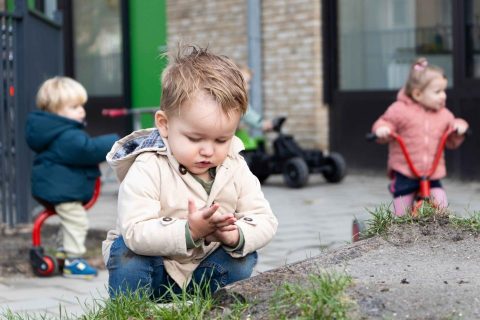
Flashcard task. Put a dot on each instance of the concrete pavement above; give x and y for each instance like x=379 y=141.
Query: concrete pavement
x=310 y=219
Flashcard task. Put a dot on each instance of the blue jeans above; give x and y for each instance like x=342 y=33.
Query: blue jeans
x=129 y=271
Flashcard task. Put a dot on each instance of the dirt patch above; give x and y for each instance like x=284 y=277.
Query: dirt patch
x=425 y=270
x=16 y=244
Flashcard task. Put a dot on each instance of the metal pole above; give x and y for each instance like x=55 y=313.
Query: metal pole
x=254 y=26
x=3 y=127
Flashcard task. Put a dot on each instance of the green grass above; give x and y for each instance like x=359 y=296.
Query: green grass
x=471 y=223
x=138 y=306
x=322 y=298
x=382 y=218
x=197 y=305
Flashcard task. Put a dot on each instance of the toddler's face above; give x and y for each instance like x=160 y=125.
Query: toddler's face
x=433 y=96
x=246 y=75
x=73 y=111
x=200 y=136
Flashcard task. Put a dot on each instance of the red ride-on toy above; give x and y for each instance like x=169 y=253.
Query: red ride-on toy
x=423 y=193
x=135 y=113
x=46 y=265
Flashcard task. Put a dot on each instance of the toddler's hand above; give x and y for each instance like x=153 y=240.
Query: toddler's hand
x=383 y=132
x=267 y=125
x=227 y=236
x=206 y=221
x=460 y=128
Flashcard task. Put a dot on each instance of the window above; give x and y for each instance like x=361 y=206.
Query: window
x=379 y=39
x=45 y=8
x=98 y=46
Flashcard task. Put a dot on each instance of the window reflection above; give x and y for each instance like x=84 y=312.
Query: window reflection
x=98 y=46
x=380 y=38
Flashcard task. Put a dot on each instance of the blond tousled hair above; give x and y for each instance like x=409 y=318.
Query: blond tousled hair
x=55 y=93
x=195 y=69
x=420 y=75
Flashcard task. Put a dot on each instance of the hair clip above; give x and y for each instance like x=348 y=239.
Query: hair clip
x=420 y=66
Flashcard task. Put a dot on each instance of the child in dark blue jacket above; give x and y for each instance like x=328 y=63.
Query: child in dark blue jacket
x=66 y=163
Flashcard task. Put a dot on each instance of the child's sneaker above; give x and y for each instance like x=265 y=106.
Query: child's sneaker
x=78 y=268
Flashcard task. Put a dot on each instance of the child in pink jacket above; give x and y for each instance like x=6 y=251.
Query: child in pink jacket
x=420 y=117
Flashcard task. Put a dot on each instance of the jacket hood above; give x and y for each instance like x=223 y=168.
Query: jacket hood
x=402 y=96
x=124 y=151
x=44 y=127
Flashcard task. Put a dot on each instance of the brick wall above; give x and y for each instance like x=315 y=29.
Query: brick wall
x=293 y=69
x=220 y=24
x=292 y=65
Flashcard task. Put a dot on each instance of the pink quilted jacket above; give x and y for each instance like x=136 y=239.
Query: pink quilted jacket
x=421 y=129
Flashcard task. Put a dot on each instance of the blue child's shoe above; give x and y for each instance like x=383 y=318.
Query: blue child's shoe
x=78 y=268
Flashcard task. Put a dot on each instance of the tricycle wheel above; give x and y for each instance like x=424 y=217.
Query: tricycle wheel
x=295 y=172
x=358 y=229
x=336 y=168
x=47 y=268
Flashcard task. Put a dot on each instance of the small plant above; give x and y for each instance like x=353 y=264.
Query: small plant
x=381 y=219
x=322 y=298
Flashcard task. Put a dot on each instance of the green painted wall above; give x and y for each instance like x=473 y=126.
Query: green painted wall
x=148 y=40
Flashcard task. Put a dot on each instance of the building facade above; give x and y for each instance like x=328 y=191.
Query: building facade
x=333 y=66
x=291 y=58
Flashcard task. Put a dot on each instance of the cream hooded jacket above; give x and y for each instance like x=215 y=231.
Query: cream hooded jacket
x=153 y=203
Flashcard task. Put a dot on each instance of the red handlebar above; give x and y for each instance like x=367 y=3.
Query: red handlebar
x=438 y=154
x=113 y=113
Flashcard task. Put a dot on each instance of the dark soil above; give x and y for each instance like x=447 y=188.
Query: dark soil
x=16 y=244
x=425 y=270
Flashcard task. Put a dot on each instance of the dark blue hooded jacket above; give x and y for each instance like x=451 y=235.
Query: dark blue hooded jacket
x=66 y=161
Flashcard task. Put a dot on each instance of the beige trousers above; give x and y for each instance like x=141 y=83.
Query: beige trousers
x=74 y=227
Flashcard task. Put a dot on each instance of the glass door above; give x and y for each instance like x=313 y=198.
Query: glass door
x=97 y=43
x=97 y=57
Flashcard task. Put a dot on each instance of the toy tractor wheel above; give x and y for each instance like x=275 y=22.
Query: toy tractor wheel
x=295 y=172
x=47 y=268
x=258 y=164
x=336 y=168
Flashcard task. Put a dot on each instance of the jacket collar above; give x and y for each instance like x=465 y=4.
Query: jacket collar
x=123 y=153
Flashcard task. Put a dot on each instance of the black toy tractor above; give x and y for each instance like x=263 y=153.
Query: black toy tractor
x=289 y=159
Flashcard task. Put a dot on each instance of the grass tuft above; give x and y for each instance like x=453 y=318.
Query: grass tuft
x=185 y=306
x=322 y=297
x=471 y=223
x=380 y=221
x=382 y=218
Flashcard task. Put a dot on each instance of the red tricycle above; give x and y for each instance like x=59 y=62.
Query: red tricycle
x=423 y=193
x=45 y=265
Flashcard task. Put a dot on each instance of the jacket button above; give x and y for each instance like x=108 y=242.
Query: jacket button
x=248 y=219
x=166 y=219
